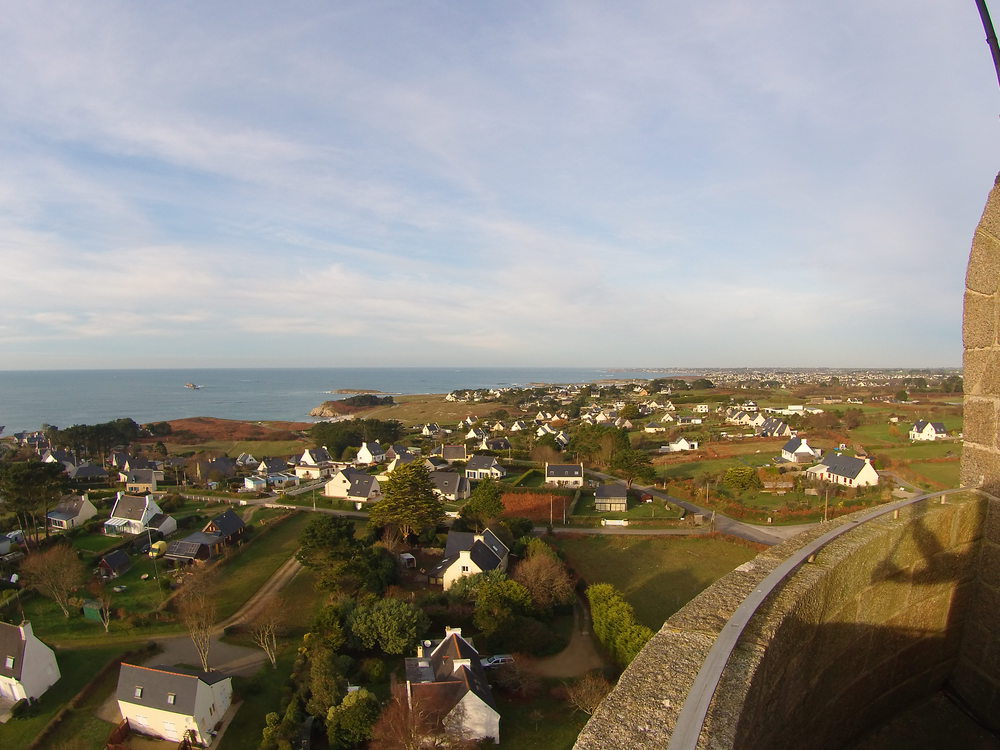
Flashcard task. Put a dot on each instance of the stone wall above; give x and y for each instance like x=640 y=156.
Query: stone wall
x=874 y=622
x=978 y=679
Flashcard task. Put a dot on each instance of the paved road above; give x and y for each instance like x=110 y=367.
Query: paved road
x=769 y=535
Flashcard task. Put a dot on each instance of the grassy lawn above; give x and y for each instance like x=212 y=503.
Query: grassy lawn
x=691 y=469
x=247 y=570
x=540 y=722
x=421 y=409
x=920 y=451
x=77 y=667
x=261 y=694
x=257 y=448
x=944 y=473
x=655 y=510
x=534 y=479
x=657 y=575
x=97 y=543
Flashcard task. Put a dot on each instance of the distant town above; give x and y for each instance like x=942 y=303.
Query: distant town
x=476 y=566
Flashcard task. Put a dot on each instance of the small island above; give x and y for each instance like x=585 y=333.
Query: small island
x=354 y=390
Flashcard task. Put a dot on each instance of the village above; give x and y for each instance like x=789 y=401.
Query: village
x=498 y=555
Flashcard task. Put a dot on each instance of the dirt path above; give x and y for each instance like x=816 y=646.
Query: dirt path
x=580 y=656
x=281 y=578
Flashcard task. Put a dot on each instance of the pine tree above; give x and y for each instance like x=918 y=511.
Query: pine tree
x=408 y=500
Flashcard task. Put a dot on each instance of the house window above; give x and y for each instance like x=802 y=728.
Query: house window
x=171 y=698
x=138 y=691
x=465 y=568
x=9 y=662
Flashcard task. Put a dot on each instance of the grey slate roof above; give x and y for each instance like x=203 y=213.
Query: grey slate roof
x=226 y=524
x=448 y=482
x=361 y=485
x=130 y=507
x=613 y=491
x=792 y=445
x=563 y=471
x=11 y=644
x=87 y=471
x=159 y=682
x=67 y=508
x=843 y=466
x=453 y=452
x=478 y=463
x=117 y=561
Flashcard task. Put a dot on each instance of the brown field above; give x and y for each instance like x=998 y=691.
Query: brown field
x=211 y=429
x=535 y=505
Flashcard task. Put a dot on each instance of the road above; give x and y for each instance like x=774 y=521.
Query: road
x=769 y=535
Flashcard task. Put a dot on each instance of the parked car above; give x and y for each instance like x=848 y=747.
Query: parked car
x=497 y=660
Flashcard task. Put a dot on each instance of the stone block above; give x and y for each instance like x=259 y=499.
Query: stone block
x=991 y=528
x=989 y=565
x=983 y=274
x=979 y=322
x=980 y=693
x=975 y=371
x=980 y=465
x=980 y=420
x=989 y=223
x=970 y=520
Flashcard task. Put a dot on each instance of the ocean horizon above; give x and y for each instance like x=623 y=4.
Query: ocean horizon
x=31 y=398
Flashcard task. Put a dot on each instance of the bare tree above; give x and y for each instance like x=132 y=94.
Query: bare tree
x=546 y=579
x=587 y=693
x=401 y=726
x=197 y=610
x=102 y=595
x=267 y=624
x=56 y=573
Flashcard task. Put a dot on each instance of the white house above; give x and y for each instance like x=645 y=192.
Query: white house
x=798 y=451
x=133 y=515
x=654 y=427
x=364 y=489
x=71 y=512
x=27 y=666
x=255 y=483
x=340 y=483
x=370 y=453
x=466 y=554
x=448 y=681
x=924 y=430
x=700 y=409
x=518 y=426
x=171 y=702
x=429 y=430
x=484 y=467
x=846 y=470
x=449 y=485
x=611 y=497
x=564 y=475
x=678 y=445
x=315 y=456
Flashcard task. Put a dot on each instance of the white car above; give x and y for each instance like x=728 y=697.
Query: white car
x=497 y=660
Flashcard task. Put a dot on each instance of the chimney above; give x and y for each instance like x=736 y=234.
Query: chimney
x=448 y=631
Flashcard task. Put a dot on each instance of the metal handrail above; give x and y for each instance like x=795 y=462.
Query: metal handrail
x=696 y=705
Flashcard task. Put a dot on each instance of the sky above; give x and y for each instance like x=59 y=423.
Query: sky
x=649 y=184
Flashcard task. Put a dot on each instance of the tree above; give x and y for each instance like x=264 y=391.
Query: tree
x=402 y=726
x=102 y=595
x=630 y=411
x=393 y=625
x=350 y=724
x=741 y=478
x=30 y=489
x=702 y=384
x=632 y=464
x=484 y=505
x=267 y=624
x=408 y=500
x=546 y=580
x=902 y=395
x=587 y=693
x=327 y=547
x=327 y=685
x=197 y=610
x=56 y=573
x=498 y=602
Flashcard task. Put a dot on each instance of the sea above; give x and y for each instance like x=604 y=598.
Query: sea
x=29 y=399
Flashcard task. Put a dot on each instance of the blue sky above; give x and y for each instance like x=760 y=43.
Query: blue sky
x=518 y=183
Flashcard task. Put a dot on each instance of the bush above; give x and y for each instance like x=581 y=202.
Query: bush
x=614 y=623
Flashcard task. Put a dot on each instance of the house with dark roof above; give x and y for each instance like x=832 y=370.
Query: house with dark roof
x=924 y=430
x=87 y=473
x=564 y=475
x=849 y=471
x=798 y=451
x=364 y=489
x=133 y=515
x=70 y=512
x=173 y=702
x=484 y=467
x=774 y=427
x=340 y=484
x=141 y=480
x=449 y=485
x=451 y=453
x=114 y=564
x=611 y=498
x=447 y=683
x=315 y=456
x=466 y=554
x=225 y=530
x=495 y=444
x=370 y=452
x=27 y=666
x=272 y=466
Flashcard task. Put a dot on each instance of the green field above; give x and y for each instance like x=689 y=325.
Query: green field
x=542 y=721
x=922 y=451
x=692 y=469
x=657 y=575
x=945 y=473
x=257 y=448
